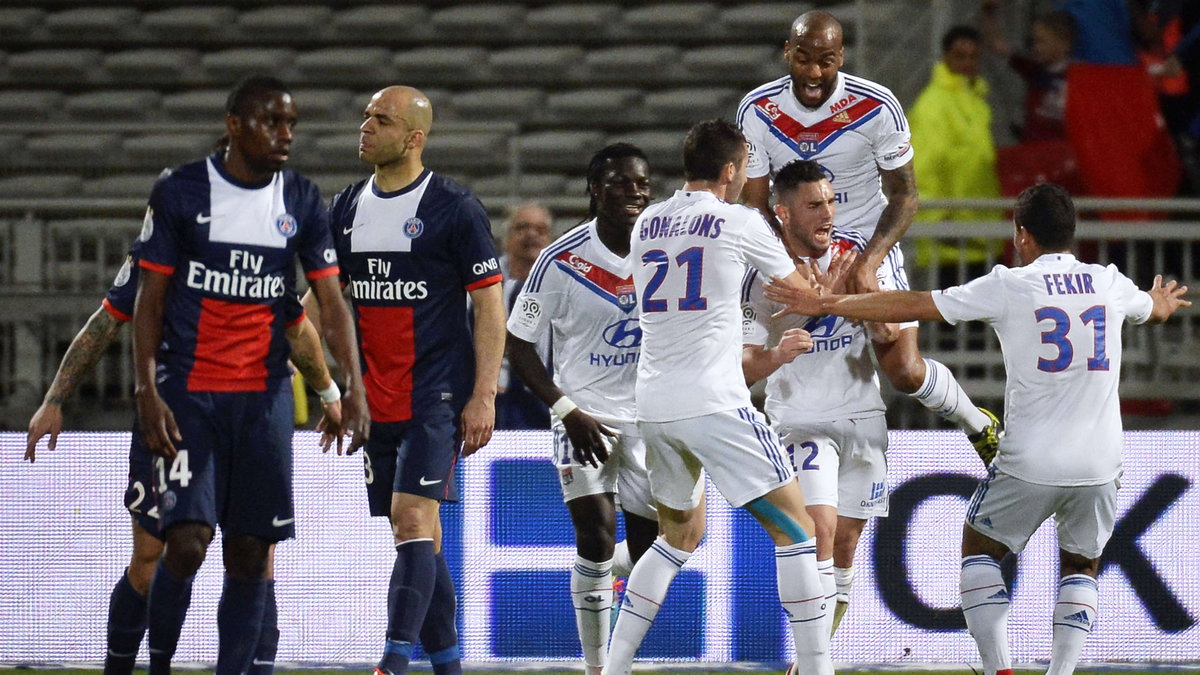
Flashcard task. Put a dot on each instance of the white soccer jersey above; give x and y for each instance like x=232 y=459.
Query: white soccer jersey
x=858 y=131
x=1059 y=323
x=581 y=291
x=689 y=254
x=836 y=380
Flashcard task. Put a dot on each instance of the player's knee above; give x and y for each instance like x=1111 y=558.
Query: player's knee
x=245 y=557
x=142 y=564
x=594 y=543
x=783 y=528
x=187 y=545
x=906 y=375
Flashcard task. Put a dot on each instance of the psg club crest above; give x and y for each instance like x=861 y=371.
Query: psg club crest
x=286 y=224
x=168 y=500
x=413 y=227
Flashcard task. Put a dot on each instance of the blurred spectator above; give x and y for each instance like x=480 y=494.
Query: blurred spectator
x=1044 y=71
x=526 y=233
x=954 y=155
x=1104 y=31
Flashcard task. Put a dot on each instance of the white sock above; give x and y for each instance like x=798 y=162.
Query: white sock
x=941 y=393
x=828 y=589
x=843 y=577
x=622 y=562
x=985 y=605
x=803 y=599
x=1074 y=617
x=591 y=595
x=644 y=593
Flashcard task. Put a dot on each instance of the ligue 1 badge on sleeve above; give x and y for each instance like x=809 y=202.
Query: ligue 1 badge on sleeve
x=124 y=273
x=413 y=227
x=286 y=224
x=147 y=225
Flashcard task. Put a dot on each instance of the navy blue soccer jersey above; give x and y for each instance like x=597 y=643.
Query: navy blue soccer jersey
x=409 y=258
x=230 y=249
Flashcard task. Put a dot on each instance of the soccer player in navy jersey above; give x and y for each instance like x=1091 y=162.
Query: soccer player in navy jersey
x=413 y=245
x=127 y=604
x=218 y=257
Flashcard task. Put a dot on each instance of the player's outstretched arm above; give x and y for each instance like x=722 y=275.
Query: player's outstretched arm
x=479 y=415
x=1167 y=298
x=309 y=359
x=900 y=187
x=159 y=430
x=338 y=329
x=883 y=306
x=82 y=355
x=586 y=434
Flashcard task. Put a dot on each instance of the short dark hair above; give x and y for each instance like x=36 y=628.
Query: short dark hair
x=1060 y=23
x=1047 y=212
x=595 y=170
x=250 y=89
x=796 y=173
x=709 y=146
x=958 y=33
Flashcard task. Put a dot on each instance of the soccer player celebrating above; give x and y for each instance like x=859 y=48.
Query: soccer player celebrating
x=689 y=254
x=1059 y=322
x=218 y=257
x=127 y=604
x=580 y=292
x=856 y=130
x=413 y=244
x=822 y=390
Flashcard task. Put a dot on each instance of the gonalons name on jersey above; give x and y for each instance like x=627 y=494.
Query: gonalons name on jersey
x=700 y=225
x=234 y=284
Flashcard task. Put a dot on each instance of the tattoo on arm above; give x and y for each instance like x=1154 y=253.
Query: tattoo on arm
x=83 y=355
x=900 y=187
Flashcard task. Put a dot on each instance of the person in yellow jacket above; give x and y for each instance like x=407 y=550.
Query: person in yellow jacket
x=955 y=155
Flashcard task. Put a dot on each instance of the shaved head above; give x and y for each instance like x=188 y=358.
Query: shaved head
x=392 y=136
x=408 y=104
x=816 y=24
x=814 y=56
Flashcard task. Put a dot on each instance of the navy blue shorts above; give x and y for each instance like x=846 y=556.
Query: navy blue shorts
x=139 y=493
x=234 y=466
x=416 y=457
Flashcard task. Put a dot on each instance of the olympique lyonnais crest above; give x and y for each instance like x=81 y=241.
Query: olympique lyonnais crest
x=626 y=296
x=413 y=227
x=286 y=224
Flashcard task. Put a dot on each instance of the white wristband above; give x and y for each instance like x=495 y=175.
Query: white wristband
x=330 y=394
x=563 y=407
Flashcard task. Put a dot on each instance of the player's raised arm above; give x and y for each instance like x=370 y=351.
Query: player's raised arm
x=81 y=357
x=157 y=422
x=479 y=415
x=1167 y=298
x=339 y=333
x=900 y=188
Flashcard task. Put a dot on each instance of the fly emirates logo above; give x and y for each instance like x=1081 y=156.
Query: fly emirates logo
x=243 y=280
x=386 y=288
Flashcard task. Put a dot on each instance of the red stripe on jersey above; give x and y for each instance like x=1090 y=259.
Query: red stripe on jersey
x=298 y=319
x=116 y=313
x=483 y=283
x=389 y=351
x=843 y=245
x=596 y=274
x=232 y=342
x=155 y=267
x=322 y=273
x=820 y=131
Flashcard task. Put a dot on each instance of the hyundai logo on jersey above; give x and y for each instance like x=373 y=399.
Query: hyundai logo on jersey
x=624 y=334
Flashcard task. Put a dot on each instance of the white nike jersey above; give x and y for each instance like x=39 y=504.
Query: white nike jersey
x=581 y=293
x=836 y=379
x=1059 y=323
x=689 y=254
x=858 y=131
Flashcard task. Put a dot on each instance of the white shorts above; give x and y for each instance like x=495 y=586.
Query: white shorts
x=624 y=473
x=736 y=447
x=892 y=277
x=841 y=464
x=1010 y=510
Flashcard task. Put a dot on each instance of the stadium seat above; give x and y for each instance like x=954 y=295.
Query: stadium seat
x=12 y=147
x=121 y=185
x=559 y=149
x=468 y=151
x=23 y=104
x=154 y=66
x=155 y=151
x=664 y=148
x=54 y=66
x=40 y=185
x=387 y=22
x=70 y=150
x=743 y=63
x=115 y=104
x=198 y=105
x=299 y=24
x=528 y=186
x=336 y=151
x=230 y=65
x=591 y=107
x=485 y=23
x=765 y=23
x=672 y=22
x=625 y=64
x=19 y=22
x=496 y=104
x=189 y=22
x=85 y=252
x=345 y=66
x=441 y=65
x=559 y=22
x=535 y=65
x=683 y=107
x=333 y=105
x=85 y=23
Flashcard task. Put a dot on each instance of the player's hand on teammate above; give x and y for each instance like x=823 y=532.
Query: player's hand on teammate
x=793 y=343
x=802 y=301
x=835 y=280
x=478 y=420
x=157 y=422
x=47 y=420
x=330 y=425
x=588 y=444
x=1167 y=298
x=860 y=278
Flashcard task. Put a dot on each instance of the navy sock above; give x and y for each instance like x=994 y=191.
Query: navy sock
x=126 y=626
x=167 y=605
x=239 y=620
x=268 y=638
x=439 y=635
x=409 y=592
